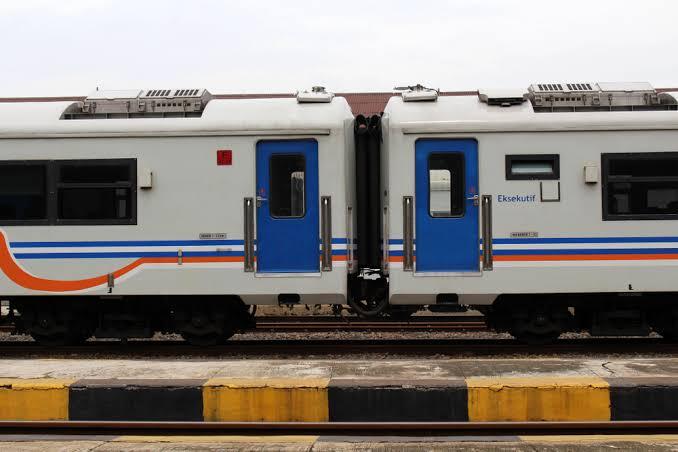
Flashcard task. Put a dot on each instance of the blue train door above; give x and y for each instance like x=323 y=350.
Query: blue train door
x=287 y=207
x=447 y=199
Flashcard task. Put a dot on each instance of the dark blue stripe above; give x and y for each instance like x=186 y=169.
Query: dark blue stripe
x=123 y=255
x=586 y=251
x=125 y=243
x=137 y=243
x=587 y=240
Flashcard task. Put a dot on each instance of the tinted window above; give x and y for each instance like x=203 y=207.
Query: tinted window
x=23 y=192
x=640 y=186
x=532 y=167
x=92 y=173
x=287 y=186
x=93 y=190
x=446 y=184
x=94 y=203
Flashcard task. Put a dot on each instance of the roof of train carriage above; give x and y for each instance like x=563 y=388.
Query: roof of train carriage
x=26 y=117
x=469 y=114
x=361 y=103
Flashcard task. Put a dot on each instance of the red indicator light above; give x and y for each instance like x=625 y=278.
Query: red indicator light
x=224 y=157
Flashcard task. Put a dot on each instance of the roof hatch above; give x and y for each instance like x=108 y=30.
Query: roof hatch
x=418 y=93
x=502 y=97
x=316 y=95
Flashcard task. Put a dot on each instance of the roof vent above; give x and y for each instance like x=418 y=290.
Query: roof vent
x=418 y=93
x=502 y=97
x=316 y=95
x=575 y=97
x=153 y=103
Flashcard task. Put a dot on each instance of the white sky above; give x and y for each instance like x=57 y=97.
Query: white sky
x=68 y=47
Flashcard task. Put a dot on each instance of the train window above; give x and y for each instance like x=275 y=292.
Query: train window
x=23 y=192
x=640 y=186
x=532 y=167
x=287 y=186
x=96 y=191
x=446 y=185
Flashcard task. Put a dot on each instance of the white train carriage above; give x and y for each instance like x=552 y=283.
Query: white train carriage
x=549 y=210
x=171 y=210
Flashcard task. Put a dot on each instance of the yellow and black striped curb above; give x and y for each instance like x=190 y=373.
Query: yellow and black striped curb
x=348 y=400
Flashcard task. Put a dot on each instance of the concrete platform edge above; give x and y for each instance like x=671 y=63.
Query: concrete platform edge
x=552 y=398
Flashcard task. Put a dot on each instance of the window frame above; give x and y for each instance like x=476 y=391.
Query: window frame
x=52 y=185
x=48 y=193
x=605 y=159
x=270 y=184
x=555 y=158
x=462 y=158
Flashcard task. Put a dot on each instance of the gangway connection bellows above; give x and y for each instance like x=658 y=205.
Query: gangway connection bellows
x=152 y=103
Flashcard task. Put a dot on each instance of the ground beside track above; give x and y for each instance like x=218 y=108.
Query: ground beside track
x=583 y=443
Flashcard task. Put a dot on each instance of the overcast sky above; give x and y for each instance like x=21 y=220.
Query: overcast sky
x=69 y=47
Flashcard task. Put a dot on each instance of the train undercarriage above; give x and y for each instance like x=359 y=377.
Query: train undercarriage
x=211 y=320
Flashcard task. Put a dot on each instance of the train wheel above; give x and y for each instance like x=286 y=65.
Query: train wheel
x=665 y=322
x=202 y=330
x=538 y=325
x=55 y=329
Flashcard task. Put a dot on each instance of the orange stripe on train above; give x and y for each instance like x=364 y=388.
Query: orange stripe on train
x=24 y=279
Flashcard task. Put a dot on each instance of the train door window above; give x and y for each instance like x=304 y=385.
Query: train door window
x=287 y=185
x=96 y=191
x=23 y=192
x=640 y=186
x=446 y=185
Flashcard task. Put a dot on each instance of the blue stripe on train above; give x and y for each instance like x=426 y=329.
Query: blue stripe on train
x=138 y=254
x=111 y=243
x=124 y=243
x=586 y=251
x=585 y=240
x=122 y=255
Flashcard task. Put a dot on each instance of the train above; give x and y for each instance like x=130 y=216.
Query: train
x=548 y=209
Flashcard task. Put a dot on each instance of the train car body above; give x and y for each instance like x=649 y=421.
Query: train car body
x=112 y=207
x=549 y=210
x=574 y=204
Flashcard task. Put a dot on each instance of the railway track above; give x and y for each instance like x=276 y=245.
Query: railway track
x=329 y=323
x=338 y=428
x=334 y=323
x=348 y=347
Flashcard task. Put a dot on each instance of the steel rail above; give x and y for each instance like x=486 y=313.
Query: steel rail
x=334 y=323
x=369 y=325
x=397 y=428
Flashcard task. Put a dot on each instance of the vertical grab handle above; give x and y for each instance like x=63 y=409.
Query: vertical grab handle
x=487 y=232
x=248 y=210
x=408 y=233
x=326 y=232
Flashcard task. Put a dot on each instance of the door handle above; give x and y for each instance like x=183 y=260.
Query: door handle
x=475 y=199
x=260 y=199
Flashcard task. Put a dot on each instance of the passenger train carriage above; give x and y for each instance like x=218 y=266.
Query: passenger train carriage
x=549 y=210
